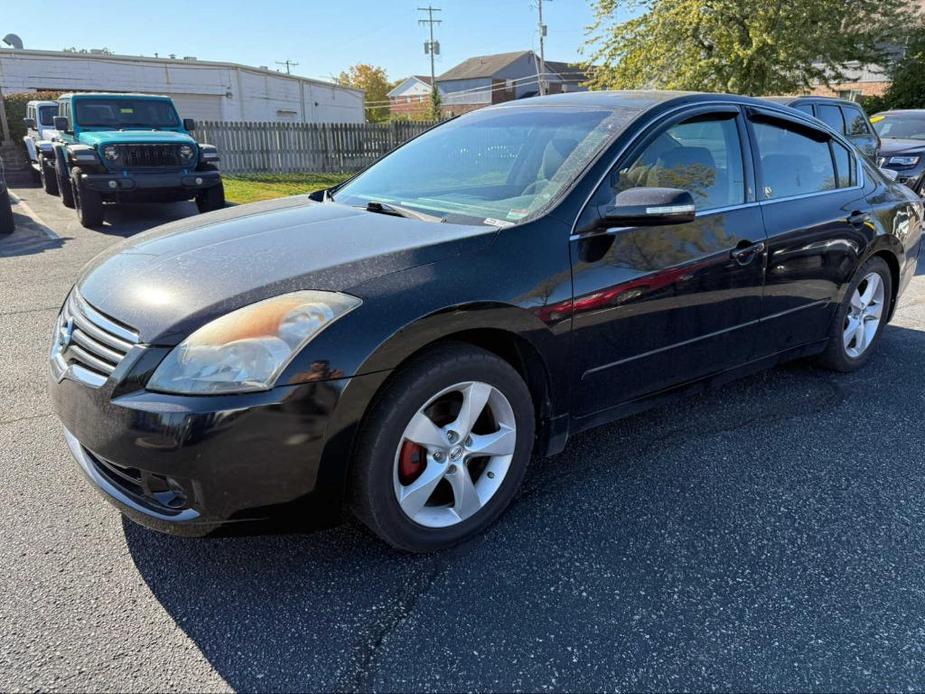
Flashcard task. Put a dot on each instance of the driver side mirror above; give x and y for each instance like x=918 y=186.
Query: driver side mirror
x=62 y=124
x=189 y=124
x=648 y=207
x=29 y=122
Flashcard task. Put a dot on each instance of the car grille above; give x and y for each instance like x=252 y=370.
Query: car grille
x=88 y=345
x=146 y=156
x=156 y=492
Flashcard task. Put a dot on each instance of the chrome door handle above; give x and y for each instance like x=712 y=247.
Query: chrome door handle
x=745 y=255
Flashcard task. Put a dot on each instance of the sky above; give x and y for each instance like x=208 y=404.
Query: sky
x=324 y=37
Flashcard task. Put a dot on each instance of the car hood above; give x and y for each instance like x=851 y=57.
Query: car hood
x=120 y=137
x=896 y=146
x=170 y=280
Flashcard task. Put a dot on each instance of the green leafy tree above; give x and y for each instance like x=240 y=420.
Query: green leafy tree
x=740 y=46
x=375 y=82
x=907 y=89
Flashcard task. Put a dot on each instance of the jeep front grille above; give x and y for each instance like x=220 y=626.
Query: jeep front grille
x=88 y=345
x=147 y=156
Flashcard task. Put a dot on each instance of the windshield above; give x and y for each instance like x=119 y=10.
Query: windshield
x=900 y=126
x=490 y=166
x=47 y=115
x=120 y=113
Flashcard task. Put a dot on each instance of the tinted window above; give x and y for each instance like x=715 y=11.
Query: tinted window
x=701 y=156
x=805 y=108
x=844 y=168
x=47 y=114
x=126 y=113
x=855 y=121
x=900 y=125
x=792 y=163
x=831 y=116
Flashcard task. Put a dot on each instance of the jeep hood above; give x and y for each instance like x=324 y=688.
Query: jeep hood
x=170 y=280
x=94 y=138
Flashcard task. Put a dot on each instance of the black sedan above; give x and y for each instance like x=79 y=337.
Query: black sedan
x=403 y=343
x=902 y=145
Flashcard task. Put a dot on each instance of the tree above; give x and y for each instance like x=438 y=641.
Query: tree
x=740 y=46
x=97 y=51
x=907 y=89
x=375 y=82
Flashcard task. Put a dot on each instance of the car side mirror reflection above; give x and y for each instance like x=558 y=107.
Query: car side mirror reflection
x=648 y=207
x=62 y=124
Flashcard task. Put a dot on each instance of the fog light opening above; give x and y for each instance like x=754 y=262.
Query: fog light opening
x=113 y=184
x=198 y=180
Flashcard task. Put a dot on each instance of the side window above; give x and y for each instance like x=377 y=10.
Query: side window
x=830 y=114
x=855 y=121
x=702 y=156
x=805 y=108
x=844 y=165
x=791 y=162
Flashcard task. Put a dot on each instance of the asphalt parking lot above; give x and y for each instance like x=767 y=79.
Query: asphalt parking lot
x=769 y=536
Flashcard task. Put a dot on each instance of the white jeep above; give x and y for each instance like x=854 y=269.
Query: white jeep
x=39 y=141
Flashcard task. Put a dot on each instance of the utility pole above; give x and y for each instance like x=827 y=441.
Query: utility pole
x=432 y=48
x=287 y=63
x=542 y=28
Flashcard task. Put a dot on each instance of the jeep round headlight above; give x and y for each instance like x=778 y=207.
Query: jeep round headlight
x=247 y=349
x=186 y=152
x=110 y=152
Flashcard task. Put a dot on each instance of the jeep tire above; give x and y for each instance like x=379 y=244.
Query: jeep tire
x=64 y=185
x=47 y=176
x=87 y=202
x=211 y=199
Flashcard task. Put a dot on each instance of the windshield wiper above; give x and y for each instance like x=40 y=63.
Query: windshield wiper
x=399 y=211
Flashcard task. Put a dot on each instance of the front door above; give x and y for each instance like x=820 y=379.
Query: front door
x=655 y=306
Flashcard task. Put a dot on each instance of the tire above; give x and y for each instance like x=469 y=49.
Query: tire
x=87 y=202
x=443 y=518
x=47 y=176
x=849 y=349
x=7 y=224
x=64 y=186
x=211 y=199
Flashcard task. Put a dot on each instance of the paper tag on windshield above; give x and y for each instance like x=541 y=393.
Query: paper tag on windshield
x=498 y=222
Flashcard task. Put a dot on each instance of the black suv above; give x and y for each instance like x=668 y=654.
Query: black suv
x=844 y=117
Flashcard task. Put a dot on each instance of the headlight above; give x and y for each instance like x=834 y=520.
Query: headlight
x=186 y=152
x=247 y=349
x=110 y=152
x=904 y=161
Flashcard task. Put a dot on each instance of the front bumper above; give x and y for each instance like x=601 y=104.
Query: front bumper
x=130 y=181
x=188 y=465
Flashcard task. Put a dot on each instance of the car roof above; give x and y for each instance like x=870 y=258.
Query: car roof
x=637 y=99
x=112 y=94
x=901 y=110
x=787 y=100
x=41 y=102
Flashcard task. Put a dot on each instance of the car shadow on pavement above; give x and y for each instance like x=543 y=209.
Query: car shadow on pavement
x=126 y=220
x=697 y=545
x=28 y=238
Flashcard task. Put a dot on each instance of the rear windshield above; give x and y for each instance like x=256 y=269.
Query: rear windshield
x=126 y=113
x=47 y=115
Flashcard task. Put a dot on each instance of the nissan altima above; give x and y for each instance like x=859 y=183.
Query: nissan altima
x=401 y=345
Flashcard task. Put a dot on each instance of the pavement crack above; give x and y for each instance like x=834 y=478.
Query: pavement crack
x=29 y=310
x=360 y=679
x=22 y=419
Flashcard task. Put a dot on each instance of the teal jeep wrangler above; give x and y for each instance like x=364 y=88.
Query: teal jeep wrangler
x=130 y=148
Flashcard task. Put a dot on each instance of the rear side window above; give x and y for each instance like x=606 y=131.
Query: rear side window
x=831 y=116
x=791 y=162
x=805 y=108
x=855 y=121
x=844 y=165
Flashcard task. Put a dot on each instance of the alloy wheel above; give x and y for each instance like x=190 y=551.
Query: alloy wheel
x=454 y=454
x=864 y=315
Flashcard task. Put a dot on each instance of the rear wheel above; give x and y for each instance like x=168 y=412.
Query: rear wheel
x=444 y=450
x=64 y=186
x=47 y=176
x=860 y=318
x=87 y=202
x=6 y=213
x=211 y=198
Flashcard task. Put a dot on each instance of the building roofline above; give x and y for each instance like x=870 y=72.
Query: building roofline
x=15 y=52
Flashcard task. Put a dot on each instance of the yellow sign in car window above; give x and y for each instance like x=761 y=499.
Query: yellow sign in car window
x=876 y=119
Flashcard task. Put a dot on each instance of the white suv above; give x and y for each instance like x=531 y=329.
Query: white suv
x=40 y=133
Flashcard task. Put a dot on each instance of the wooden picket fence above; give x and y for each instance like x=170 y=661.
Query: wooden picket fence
x=253 y=147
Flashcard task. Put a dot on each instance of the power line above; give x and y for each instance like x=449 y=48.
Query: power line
x=287 y=63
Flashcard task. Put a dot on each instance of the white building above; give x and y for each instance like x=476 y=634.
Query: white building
x=201 y=89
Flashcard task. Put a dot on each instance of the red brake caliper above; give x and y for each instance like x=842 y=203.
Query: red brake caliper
x=411 y=462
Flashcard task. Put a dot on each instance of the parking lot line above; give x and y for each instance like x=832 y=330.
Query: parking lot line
x=29 y=212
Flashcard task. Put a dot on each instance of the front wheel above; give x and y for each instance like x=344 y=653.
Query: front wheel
x=444 y=449
x=87 y=202
x=860 y=318
x=211 y=198
x=64 y=186
x=48 y=177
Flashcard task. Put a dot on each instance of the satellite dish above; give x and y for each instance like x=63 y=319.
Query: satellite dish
x=13 y=40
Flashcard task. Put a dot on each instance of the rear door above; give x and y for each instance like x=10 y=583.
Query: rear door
x=814 y=210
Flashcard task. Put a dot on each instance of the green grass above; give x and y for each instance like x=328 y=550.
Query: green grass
x=253 y=187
